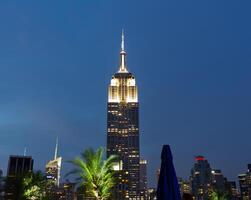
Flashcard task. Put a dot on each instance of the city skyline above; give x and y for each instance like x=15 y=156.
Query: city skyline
x=191 y=62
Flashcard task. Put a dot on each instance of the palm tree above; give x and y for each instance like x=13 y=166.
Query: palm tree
x=94 y=174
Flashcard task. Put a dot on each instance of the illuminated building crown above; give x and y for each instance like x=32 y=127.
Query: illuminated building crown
x=123 y=84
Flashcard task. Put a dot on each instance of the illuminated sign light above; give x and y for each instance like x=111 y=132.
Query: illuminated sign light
x=199 y=158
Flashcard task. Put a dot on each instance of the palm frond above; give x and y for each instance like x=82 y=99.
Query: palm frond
x=94 y=173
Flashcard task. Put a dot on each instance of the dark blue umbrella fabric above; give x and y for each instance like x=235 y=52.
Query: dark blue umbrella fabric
x=168 y=187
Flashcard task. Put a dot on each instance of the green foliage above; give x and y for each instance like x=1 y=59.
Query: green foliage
x=94 y=174
x=218 y=196
x=34 y=186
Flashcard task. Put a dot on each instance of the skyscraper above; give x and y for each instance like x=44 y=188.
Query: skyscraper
x=53 y=167
x=17 y=167
x=201 y=178
x=218 y=180
x=245 y=184
x=123 y=128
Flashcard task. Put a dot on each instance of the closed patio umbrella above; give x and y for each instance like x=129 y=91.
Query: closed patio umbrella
x=168 y=187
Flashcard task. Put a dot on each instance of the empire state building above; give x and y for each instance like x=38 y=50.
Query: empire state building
x=123 y=129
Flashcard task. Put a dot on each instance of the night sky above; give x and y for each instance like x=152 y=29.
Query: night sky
x=191 y=60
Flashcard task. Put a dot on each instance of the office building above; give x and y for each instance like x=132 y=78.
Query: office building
x=18 y=166
x=123 y=129
x=201 y=178
x=245 y=184
x=53 y=167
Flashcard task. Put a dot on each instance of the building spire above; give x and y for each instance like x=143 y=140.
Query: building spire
x=122 y=41
x=25 y=151
x=56 y=149
x=122 y=67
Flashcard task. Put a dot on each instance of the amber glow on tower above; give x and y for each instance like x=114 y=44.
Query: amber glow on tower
x=123 y=88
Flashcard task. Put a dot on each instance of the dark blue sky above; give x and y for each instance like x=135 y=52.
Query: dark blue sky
x=191 y=60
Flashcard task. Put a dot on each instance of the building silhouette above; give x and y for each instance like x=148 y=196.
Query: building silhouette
x=123 y=129
x=18 y=166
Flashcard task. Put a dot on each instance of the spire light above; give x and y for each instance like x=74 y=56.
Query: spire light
x=122 y=67
x=122 y=41
x=56 y=149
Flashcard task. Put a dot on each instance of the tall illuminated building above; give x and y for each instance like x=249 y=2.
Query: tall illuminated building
x=123 y=129
x=53 y=167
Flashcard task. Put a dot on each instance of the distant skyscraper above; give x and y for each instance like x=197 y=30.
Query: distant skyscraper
x=18 y=166
x=218 y=180
x=201 y=178
x=222 y=185
x=245 y=184
x=53 y=167
x=123 y=128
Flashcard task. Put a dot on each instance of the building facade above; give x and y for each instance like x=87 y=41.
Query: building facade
x=152 y=194
x=53 y=167
x=123 y=129
x=221 y=184
x=184 y=186
x=17 y=167
x=233 y=190
x=201 y=178
x=143 y=179
x=66 y=191
x=245 y=184
x=218 y=180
